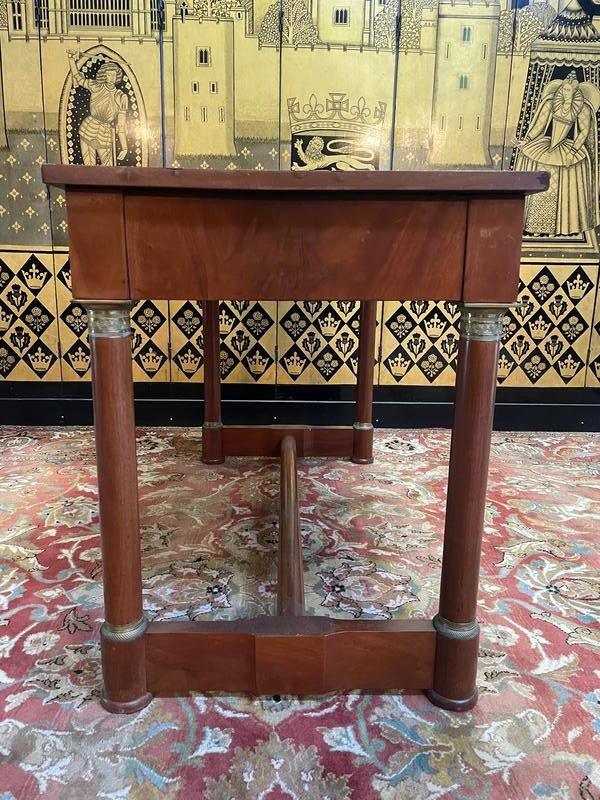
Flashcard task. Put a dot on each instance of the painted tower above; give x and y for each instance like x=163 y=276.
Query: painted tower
x=467 y=38
x=204 y=93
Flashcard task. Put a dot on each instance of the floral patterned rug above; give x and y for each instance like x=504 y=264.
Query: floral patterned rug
x=372 y=546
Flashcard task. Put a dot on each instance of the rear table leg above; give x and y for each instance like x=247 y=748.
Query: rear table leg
x=362 y=450
x=212 y=429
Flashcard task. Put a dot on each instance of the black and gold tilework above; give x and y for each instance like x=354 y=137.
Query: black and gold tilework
x=318 y=342
x=352 y=85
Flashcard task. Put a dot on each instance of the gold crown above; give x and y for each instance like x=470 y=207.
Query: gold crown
x=505 y=366
x=189 y=361
x=336 y=114
x=568 y=366
x=539 y=328
x=329 y=325
x=39 y=360
x=151 y=360
x=80 y=360
x=399 y=366
x=226 y=323
x=257 y=364
x=577 y=288
x=5 y=319
x=294 y=364
x=434 y=326
x=34 y=278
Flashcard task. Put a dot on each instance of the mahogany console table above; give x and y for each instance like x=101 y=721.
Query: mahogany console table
x=175 y=234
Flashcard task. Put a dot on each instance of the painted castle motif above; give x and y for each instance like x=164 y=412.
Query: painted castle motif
x=435 y=73
x=303 y=85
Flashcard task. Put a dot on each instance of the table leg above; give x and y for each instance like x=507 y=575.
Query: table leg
x=212 y=429
x=456 y=624
x=362 y=450
x=122 y=634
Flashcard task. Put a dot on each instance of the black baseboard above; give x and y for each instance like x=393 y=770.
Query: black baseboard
x=56 y=404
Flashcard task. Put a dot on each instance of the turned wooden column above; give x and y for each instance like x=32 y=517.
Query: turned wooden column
x=454 y=685
x=362 y=447
x=122 y=633
x=212 y=428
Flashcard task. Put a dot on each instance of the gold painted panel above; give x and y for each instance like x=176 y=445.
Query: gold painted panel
x=28 y=317
x=544 y=341
x=593 y=371
x=318 y=342
x=248 y=335
x=149 y=328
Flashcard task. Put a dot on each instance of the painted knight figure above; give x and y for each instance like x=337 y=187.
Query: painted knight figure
x=101 y=114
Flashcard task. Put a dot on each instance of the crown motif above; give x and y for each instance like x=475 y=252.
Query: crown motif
x=34 y=278
x=434 y=326
x=399 y=366
x=151 y=360
x=294 y=364
x=568 y=367
x=189 y=361
x=596 y=366
x=226 y=323
x=257 y=364
x=577 y=288
x=80 y=360
x=505 y=366
x=329 y=325
x=5 y=319
x=336 y=113
x=39 y=360
x=539 y=328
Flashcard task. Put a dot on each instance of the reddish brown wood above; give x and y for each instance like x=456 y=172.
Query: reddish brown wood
x=265 y=440
x=117 y=479
x=124 y=676
x=97 y=245
x=173 y=234
x=487 y=182
x=294 y=246
x=212 y=429
x=123 y=663
x=290 y=577
x=455 y=674
x=493 y=252
x=467 y=480
x=296 y=655
x=362 y=450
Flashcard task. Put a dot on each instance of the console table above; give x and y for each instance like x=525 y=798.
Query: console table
x=174 y=234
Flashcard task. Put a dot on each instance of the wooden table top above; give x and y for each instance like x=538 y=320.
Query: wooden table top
x=435 y=181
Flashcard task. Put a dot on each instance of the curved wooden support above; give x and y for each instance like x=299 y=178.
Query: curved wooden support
x=362 y=450
x=290 y=583
x=212 y=429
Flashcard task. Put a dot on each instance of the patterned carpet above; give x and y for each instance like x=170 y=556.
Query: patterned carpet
x=372 y=545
